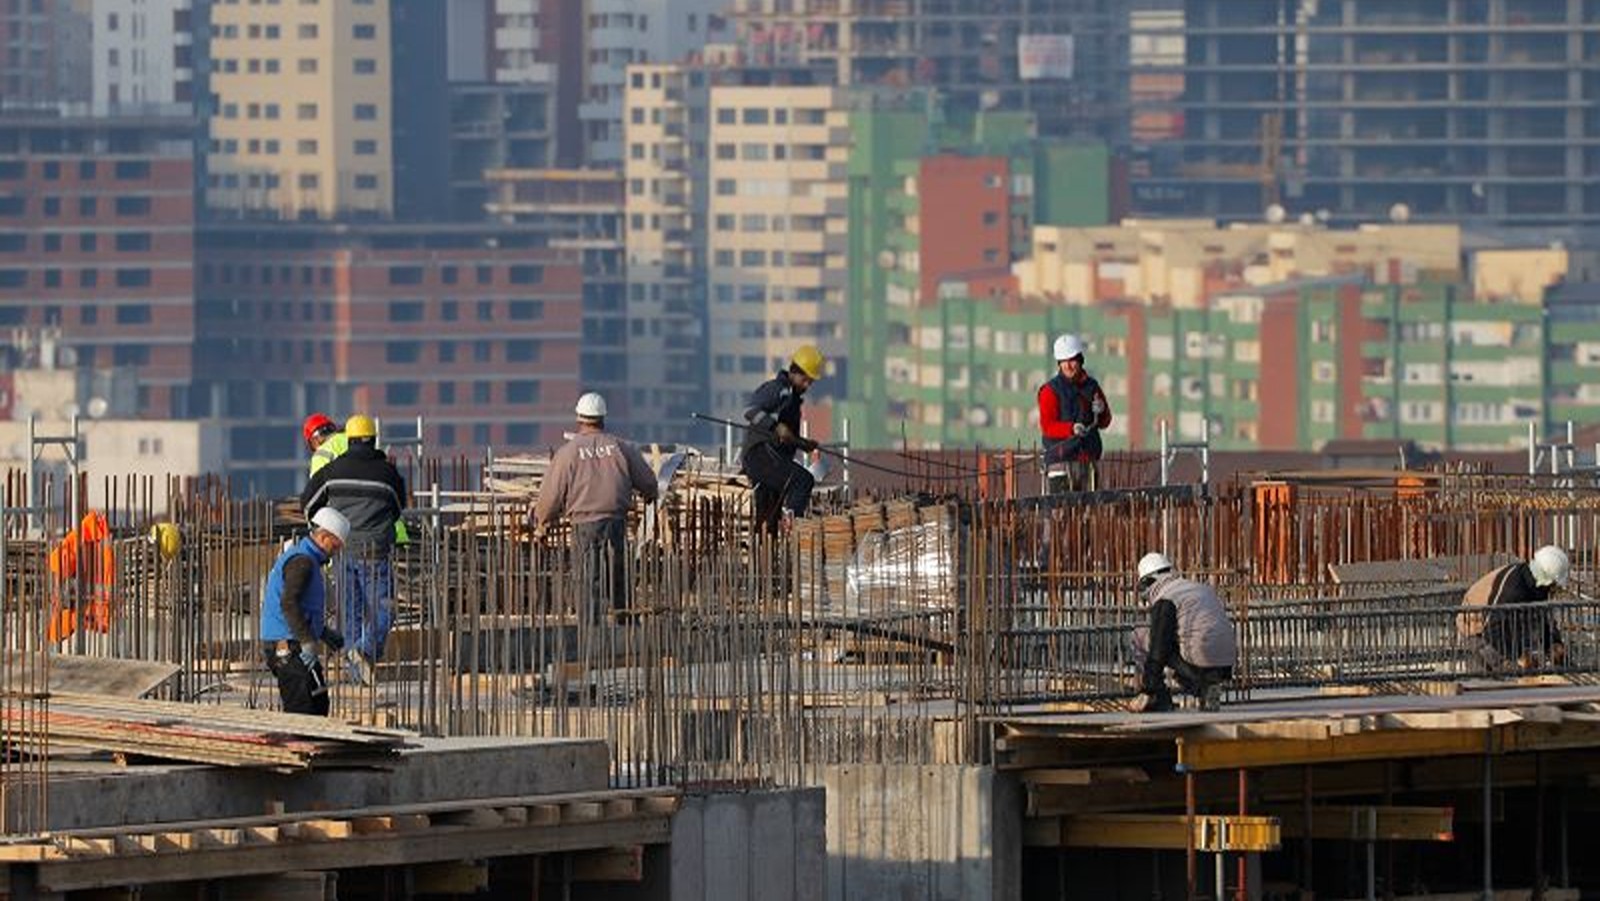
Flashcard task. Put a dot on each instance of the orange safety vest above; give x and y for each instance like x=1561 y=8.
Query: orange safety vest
x=84 y=557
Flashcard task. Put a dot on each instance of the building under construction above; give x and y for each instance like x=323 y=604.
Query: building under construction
x=1460 y=109
x=947 y=661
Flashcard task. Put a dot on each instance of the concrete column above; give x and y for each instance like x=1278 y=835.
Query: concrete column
x=923 y=833
x=749 y=845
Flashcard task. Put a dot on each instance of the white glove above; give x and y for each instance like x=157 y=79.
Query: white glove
x=1098 y=405
x=1079 y=429
x=310 y=653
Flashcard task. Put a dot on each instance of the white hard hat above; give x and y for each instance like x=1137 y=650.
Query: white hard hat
x=1549 y=566
x=331 y=520
x=1152 y=563
x=591 y=406
x=1067 y=347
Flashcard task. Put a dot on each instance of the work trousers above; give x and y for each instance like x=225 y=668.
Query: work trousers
x=600 y=551
x=781 y=484
x=366 y=597
x=302 y=690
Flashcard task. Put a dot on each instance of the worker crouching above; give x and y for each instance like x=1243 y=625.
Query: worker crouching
x=1189 y=633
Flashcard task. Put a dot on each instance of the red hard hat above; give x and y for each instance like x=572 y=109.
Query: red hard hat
x=315 y=423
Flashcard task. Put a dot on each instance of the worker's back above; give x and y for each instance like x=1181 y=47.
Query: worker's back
x=593 y=477
x=1205 y=632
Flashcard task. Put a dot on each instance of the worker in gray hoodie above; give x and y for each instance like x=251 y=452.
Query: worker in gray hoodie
x=1189 y=633
x=591 y=481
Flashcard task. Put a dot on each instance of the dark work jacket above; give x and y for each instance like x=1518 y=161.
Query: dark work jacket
x=774 y=402
x=1074 y=403
x=362 y=484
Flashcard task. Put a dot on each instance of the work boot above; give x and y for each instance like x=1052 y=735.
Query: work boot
x=1151 y=703
x=360 y=665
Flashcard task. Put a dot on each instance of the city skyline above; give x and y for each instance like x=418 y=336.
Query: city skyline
x=468 y=210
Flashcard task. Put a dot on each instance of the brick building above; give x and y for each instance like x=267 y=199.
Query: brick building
x=476 y=328
x=97 y=240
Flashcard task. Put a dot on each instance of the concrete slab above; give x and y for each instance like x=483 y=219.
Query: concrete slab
x=749 y=845
x=438 y=769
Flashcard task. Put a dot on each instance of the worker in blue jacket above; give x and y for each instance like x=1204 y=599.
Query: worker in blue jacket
x=293 y=608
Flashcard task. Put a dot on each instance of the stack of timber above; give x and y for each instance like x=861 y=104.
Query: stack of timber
x=195 y=733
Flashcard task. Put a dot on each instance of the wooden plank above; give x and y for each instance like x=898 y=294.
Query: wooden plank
x=609 y=865
x=453 y=878
x=324 y=830
x=73 y=673
x=397 y=822
x=581 y=811
x=1115 y=775
x=1157 y=831
x=1369 y=823
x=376 y=851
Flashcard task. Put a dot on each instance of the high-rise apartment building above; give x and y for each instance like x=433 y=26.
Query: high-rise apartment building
x=44 y=55
x=1063 y=60
x=303 y=117
x=665 y=174
x=97 y=223
x=744 y=187
x=1477 y=110
x=146 y=56
x=620 y=33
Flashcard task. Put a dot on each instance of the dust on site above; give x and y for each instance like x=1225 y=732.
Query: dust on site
x=921 y=691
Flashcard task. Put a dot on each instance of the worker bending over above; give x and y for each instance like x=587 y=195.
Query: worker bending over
x=1189 y=633
x=293 y=611
x=1506 y=631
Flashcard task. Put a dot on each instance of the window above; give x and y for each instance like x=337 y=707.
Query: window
x=52 y=171
x=523 y=310
x=52 y=278
x=125 y=355
x=405 y=310
x=133 y=278
x=88 y=206
x=756 y=116
x=133 y=242
x=88 y=278
x=447 y=351
x=305 y=111
x=52 y=242
x=522 y=351
x=366 y=182
x=307 y=65
x=485 y=311
x=402 y=393
x=308 y=181
x=522 y=392
x=307 y=31
x=133 y=314
x=86 y=170
x=447 y=433
x=366 y=147
x=52 y=205
x=366 y=112
x=481 y=434
x=482 y=351
x=447 y=274
x=400 y=352
x=133 y=206
x=306 y=146
x=526 y=275
x=480 y=392
x=447 y=394
x=89 y=315
x=450 y=311
x=485 y=275
x=405 y=275
x=365 y=67
x=364 y=32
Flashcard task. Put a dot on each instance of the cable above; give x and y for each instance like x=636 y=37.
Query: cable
x=889 y=470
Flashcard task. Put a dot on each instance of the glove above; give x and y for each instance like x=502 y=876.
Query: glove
x=1098 y=405
x=1079 y=429
x=309 y=655
x=784 y=433
x=332 y=638
x=807 y=445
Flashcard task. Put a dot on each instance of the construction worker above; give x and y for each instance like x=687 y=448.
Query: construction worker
x=1499 y=635
x=1189 y=633
x=293 y=610
x=362 y=484
x=323 y=439
x=782 y=486
x=591 y=480
x=326 y=442
x=84 y=569
x=1072 y=412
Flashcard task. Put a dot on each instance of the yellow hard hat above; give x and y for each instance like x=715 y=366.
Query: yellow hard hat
x=810 y=360
x=360 y=426
x=166 y=539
